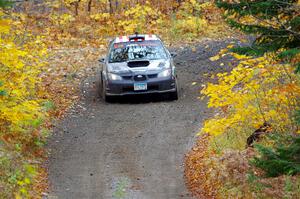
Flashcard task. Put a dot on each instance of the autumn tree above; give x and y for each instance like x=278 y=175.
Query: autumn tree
x=21 y=107
x=276 y=25
x=263 y=87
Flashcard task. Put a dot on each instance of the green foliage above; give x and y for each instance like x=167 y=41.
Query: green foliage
x=22 y=114
x=120 y=190
x=297 y=117
x=3 y=93
x=288 y=185
x=282 y=159
x=275 y=23
x=48 y=105
x=258 y=7
x=229 y=140
x=250 y=50
x=297 y=68
x=17 y=174
x=4 y=3
x=289 y=53
x=291 y=187
x=254 y=182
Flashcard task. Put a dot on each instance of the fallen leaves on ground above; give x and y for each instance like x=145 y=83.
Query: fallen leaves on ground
x=67 y=68
x=229 y=175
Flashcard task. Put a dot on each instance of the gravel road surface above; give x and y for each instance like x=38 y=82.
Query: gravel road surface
x=133 y=148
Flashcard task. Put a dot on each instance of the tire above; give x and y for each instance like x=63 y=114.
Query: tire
x=100 y=85
x=174 y=95
x=103 y=92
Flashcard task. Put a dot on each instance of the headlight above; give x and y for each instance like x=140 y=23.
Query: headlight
x=164 y=65
x=165 y=73
x=114 y=77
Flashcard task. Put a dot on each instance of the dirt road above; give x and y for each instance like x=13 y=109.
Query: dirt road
x=134 y=148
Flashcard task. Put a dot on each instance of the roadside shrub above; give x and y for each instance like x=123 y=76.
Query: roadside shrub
x=282 y=159
x=263 y=88
x=229 y=140
x=21 y=110
x=228 y=174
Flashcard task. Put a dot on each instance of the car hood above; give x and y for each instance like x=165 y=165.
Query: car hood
x=155 y=66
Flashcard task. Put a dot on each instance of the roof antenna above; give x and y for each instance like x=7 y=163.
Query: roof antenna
x=136 y=34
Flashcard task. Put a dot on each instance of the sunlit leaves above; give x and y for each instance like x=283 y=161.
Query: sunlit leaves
x=257 y=90
x=214 y=58
x=21 y=62
x=139 y=18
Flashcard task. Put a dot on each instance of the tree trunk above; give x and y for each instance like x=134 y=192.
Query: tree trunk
x=76 y=5
x=89 y=8
x=110 y=7
x=116 y=5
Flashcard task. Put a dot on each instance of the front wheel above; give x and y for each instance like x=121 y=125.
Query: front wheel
x=174 y=95
x=103 y=93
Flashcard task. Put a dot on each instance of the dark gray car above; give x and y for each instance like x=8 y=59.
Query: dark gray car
x=138 y=64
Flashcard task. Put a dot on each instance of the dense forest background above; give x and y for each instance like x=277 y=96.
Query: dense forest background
x=92 y=22
x=249 y=148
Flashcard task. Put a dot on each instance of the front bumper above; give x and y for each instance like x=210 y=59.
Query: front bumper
x=126 y=87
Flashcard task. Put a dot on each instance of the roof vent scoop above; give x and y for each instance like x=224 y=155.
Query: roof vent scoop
x=139 y=63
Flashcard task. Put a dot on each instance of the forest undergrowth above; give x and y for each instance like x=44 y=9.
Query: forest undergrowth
x=250 y=148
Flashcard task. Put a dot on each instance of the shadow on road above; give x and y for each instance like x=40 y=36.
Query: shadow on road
x=140 y=99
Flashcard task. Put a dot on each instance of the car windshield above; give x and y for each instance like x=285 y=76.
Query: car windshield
x=127 y=51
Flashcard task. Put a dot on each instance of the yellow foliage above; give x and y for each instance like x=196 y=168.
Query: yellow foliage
x=62 y=20
x=100 y=16
x=192 y=6
x=21 y=62
x=191 y=25
x=140 y=18
x=74 y=22
x=214 y=58
x=257 y=90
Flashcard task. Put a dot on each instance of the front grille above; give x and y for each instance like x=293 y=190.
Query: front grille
x=127 y=77
x=128 y=89
x=152 y=76
x=153 y=88
x=140 y=78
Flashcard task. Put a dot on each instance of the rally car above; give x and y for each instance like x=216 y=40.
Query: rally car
x=138 y=64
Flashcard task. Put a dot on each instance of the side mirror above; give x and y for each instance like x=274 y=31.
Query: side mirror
x=173 y=54
x=101 y=60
